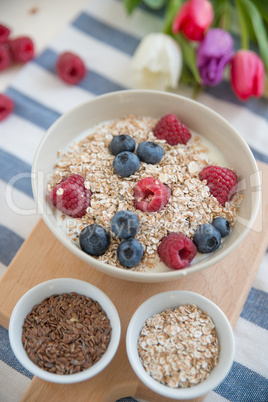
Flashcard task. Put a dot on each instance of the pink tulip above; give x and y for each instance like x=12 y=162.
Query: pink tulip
x=193 y=19
x=247 y=74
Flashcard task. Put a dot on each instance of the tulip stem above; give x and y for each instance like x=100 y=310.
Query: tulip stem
x=196 y=91
x=189 y=56
x=223 y=12
x=243 y=25
x=172 y=8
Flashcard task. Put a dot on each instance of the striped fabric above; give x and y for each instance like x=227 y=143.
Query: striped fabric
x=106 y=38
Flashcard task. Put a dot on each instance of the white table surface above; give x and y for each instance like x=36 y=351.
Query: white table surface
x=41 y=20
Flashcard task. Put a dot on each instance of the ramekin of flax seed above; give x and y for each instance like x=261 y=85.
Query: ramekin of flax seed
x=64 y=330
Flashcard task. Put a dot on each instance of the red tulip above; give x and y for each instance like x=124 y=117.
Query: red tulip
x=247 y=74
x=193 y=19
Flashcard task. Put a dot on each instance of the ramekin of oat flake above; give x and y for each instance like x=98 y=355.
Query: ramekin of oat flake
x=180 y=344
x=64 y=330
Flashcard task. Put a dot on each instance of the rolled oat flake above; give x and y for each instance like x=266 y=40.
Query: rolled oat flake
x=179 y=347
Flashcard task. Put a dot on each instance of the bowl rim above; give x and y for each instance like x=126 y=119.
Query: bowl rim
x=132 y=275
x=179 y=393
x=52 y=286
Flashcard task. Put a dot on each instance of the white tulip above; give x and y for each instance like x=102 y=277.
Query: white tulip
x=157 y=62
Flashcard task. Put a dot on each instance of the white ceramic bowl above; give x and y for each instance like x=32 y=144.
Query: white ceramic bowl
x=172 y=299
x=156 y=104
x=58 y=286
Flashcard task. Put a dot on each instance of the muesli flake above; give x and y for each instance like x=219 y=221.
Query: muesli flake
x=179 y=347
x=190 y=204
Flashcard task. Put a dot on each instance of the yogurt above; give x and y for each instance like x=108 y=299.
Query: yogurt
x=189 y=206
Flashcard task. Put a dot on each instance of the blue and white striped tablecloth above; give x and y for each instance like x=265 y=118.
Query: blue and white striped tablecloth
x=106 y=39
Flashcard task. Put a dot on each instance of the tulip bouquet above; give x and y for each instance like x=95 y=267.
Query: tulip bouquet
x=196 y=45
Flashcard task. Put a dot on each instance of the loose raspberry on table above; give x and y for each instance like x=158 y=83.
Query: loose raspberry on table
x=5 y=57
x=176 y=251
x=70 y=68
x=71 y=196
x=150 y=195
x=21 y=49
x=222 y=182
x=170 y=128
x=4 y=33
x=6 y=106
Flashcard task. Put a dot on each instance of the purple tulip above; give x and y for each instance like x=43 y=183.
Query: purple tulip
x=214 y=52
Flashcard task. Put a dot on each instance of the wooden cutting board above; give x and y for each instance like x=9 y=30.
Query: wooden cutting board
x=43 y=257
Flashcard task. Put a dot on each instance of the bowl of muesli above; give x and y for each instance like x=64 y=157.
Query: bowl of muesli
x=180 y=344
x=146 y=186
x=64 y=330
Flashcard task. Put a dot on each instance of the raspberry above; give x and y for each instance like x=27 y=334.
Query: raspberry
x=70 y=68
x=222 y=182
x=176 y=251
x=4 y=33
x=171 y=129
x=71 y=196
x=6 y=106
x=5 y=58
x=21 y=48
x=150 y=195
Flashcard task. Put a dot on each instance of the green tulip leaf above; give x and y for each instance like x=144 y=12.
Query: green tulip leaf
x=243 y=23
x=259 y=29
x=170 y=13
x=262 y=5
x=155 y=4
x=130 y=5
x=223 y=10
x=186 y=76
x=189 y=56
x=245 y=20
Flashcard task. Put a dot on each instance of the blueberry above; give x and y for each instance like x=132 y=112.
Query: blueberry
x=122 y=142
x=126 y=163
x=207 y=238
x=125 y=224
x=150 y=152
x=94 y=240
x=222 y=225
x=129 y=253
